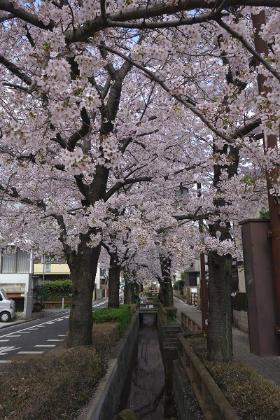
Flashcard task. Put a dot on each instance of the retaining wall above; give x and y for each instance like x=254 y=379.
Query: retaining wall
x=186 y=404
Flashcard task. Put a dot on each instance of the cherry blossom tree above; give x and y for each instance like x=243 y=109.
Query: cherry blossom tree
x=98 y=99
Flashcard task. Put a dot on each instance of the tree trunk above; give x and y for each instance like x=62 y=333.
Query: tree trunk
x=219 y=340
x=128 y=292
x=128 y=288
x=114 y=283
x=219 y=337
x=83 y=266
x=166 y=289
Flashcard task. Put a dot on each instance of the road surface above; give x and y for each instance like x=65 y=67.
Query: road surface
x=36 y=337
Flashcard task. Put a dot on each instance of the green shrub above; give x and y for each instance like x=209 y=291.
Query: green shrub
x=122 y=315
x=179 y=285
x=252 y=396
x=54 y=386
x=55 y=289
x=264 y=214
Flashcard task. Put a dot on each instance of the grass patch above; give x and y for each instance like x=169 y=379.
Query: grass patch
x=121 y=315
x=50 y=387
x=252 y=396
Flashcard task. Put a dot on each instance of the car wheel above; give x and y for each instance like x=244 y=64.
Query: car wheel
x=5 y=316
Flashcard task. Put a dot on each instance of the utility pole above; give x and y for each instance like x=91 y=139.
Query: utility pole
x=270 y=142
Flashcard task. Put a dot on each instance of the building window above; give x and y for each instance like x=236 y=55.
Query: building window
x=16 y=262
x=193 y=278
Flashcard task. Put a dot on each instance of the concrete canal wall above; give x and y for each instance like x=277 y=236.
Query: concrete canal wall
x=107 y=397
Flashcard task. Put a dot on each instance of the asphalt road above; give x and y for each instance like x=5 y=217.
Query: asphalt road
x=36 y=337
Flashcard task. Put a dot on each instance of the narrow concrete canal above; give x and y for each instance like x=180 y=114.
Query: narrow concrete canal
x=147 y=390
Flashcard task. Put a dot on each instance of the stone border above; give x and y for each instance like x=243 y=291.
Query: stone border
x=107 y=397
x=212 y=401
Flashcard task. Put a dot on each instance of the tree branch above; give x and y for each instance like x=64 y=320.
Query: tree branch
x=15 y=70
x=89 y=28
x=246 y=45
x=24 y=15
x=128 y=181
x=188 y=102
x=13 y=193
x=83 y=131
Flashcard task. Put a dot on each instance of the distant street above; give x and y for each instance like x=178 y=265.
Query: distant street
x=36 y=337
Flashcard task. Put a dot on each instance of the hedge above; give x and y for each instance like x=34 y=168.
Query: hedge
x=54 y=386
x=122 y=315
x=252 y=396
x=55 y=289
x=179 y=285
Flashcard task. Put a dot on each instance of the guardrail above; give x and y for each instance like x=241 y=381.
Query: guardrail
x=189 y=324
x=212 y=401
x=56 y=304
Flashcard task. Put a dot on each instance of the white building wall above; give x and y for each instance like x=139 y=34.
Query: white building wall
x=97 y=277
x=241 y=280
x=15 y=282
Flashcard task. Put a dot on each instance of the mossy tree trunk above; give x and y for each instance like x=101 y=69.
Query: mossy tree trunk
x=128 y=288
x=114 y=282
x=219 y=338
x=83 y=266
x=219 y=341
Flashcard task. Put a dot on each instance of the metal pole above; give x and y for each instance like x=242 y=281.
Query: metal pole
x=43 y=268
x=270 y=142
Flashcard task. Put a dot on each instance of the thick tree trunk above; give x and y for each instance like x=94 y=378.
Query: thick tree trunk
x=83 y=266
x=136 y=290
x=219 y=337
x=128 y=288
x=166 y=289
x=128 y=293
x=114 y=283
x=219 y=340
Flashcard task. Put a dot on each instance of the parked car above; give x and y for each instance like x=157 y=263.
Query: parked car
x=7 y=307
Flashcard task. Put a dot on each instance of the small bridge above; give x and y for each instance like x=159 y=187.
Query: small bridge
x=148 y=309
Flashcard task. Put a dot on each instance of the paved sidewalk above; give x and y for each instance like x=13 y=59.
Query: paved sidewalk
x=268 y=367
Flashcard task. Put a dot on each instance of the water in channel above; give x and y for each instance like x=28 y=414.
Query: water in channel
x=147 y=390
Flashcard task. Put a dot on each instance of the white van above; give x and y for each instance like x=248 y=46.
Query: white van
x=7 y=307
